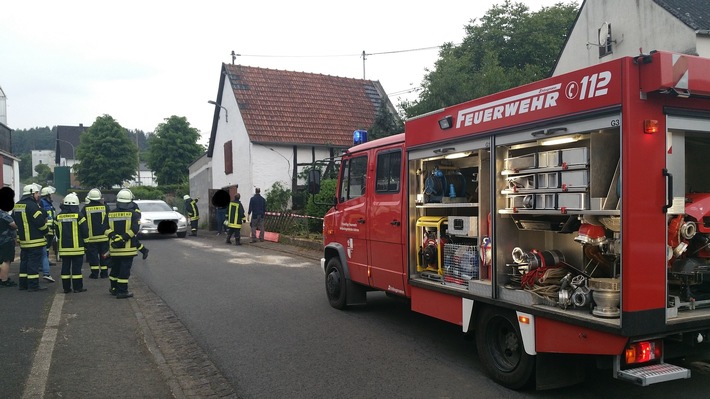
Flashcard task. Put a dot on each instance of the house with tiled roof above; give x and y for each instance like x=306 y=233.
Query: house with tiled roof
x=269 y=124
x=605 y=30
x=10 y=176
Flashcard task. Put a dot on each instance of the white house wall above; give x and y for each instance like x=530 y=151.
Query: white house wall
x=634 y=24
x=231 y=127
x=704 y=46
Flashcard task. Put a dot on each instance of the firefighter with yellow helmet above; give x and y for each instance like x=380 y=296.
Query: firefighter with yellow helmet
x=31 y=230
x=123 y=223
x=96 y=214
x=71 y=230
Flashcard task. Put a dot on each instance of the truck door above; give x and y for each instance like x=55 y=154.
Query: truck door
x=351 y=214
x=384 y=220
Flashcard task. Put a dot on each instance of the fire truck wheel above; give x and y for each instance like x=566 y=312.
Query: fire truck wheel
x=500 y=348
x=335 y=285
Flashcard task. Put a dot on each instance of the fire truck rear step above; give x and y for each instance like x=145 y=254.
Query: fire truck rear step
x=653 y=374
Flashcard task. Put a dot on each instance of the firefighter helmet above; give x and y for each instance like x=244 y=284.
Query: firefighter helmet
x=71 y=199
x=124 y=196
x=186 y=197
x=94 y=194
x=48 y=191
x=30 y=189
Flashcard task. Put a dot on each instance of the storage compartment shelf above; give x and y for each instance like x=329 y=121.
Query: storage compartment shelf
x=449 y=205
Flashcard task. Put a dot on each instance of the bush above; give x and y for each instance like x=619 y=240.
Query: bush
x=277 y=198
x=148 y=193
x=320 y=203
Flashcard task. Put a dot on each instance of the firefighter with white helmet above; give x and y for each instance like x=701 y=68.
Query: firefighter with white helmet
x=124 y=223
x=71 y=228
x=47 y=206
x=193 y=214
x=96 y=214
x=31 y=229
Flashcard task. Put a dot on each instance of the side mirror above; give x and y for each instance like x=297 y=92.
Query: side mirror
x=314 y=181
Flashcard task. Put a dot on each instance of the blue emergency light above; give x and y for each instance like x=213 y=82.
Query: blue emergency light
x=359 y=137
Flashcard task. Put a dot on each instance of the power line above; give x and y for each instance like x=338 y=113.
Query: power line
x=335 y=55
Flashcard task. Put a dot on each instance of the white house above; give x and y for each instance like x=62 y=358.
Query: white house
x=605 y=30
x=45 y=157
x=270 y=124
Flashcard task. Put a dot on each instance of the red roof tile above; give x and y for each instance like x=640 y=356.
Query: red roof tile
x=303 y=108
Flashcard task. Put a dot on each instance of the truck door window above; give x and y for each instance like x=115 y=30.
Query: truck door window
x=389 y=165
x=354 y=178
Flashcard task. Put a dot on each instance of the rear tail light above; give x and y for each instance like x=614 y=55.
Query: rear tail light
x=637 y=353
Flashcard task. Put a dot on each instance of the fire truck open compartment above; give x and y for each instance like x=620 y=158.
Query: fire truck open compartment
x=544 y=187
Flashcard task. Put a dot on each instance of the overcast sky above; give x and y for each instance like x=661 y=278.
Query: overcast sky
x=68 y=62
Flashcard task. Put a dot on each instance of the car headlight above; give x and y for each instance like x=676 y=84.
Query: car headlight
x=182 y=219
x=145 y=221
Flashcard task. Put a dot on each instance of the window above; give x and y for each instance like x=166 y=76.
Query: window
x=389 y=165
x=228 y=168
x=354 y=178
x=605 y=47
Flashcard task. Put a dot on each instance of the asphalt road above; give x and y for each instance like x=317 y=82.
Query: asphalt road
x=262 y=320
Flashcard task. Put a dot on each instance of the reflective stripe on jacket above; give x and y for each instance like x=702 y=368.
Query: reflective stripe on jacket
x=235 y=215
x=71 y=231
x=96 y=215
x=123 y=223
x=31 y=223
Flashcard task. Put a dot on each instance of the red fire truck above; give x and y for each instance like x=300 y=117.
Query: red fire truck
x=565 y=218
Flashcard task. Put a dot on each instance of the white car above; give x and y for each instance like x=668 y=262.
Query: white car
x=157 y=217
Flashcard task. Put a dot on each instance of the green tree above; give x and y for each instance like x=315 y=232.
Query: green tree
x=172 y=148
x=106 y=155
x=386 y=124
x=36 y=138
x=25 y=166
x=509 y=46
x=44 y=173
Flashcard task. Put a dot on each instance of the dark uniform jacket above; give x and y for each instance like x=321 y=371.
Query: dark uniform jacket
x=96 y=215
x=31 y=223
x=191 y=208
x=123 y=223
x=235 y=217
x=71 y=229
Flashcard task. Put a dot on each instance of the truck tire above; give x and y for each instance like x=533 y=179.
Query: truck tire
x=500 y=348
x=335 y=284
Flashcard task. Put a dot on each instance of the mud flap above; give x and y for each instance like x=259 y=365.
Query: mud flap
x=556 y=370
x=356 y=294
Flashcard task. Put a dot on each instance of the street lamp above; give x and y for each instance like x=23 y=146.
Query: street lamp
x=226 y=114
x=73 y=151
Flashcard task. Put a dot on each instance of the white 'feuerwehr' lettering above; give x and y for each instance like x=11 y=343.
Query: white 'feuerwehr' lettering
x=531 y=101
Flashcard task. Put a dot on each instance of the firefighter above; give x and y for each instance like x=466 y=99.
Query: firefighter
x=193 y=214
x=123 y=226
x=31 y=230
x=96 y=214
x=235 y=218
x=47 y=205
x=71 y=230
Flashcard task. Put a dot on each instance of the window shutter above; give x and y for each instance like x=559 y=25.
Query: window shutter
x=228 y=158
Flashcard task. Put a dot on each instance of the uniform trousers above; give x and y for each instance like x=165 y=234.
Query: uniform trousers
x=97 y=263
x=71 y=272
x=30 y=262
x=120 y=272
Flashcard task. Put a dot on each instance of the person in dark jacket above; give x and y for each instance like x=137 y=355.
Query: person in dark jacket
x=123 y=223
x=257 y=212
x=235 y=218
x=31 y=230
x=46 y=203
x=71 y=230
x=193 y=214
x=96 y=244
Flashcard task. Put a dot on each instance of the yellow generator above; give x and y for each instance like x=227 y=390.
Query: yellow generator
x=430 y=238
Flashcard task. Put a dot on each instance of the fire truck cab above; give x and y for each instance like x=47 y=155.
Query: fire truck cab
x=568 y=217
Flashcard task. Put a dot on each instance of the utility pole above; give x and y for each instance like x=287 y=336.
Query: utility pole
x=363 y=64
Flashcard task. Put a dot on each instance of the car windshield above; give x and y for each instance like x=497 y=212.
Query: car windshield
x=154 y=207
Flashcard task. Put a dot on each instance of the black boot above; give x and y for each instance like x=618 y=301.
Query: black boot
x=144 y=251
